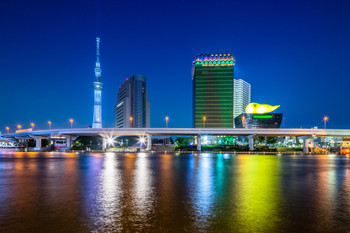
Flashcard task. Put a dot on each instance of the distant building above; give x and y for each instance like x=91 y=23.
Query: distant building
x=212 y=77
x=133 y=107
x=241 y=96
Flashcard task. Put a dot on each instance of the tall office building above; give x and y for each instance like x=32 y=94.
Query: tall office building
x=241 y=96
x=133 y=107
x=212 y=76
x=97 y=117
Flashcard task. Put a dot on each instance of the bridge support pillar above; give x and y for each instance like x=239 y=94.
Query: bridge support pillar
x=199 y=143
x=306 y=144
x=37 y=143
x=149 y=142
x=68 y=142
x=251 y=142
x=104 y=144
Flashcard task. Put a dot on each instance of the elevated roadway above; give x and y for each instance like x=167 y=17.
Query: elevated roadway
x=148 y=132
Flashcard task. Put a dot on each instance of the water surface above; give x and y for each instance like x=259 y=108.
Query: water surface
x=67 y=192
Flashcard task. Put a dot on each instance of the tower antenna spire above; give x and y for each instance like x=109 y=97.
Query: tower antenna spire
x=98 y=49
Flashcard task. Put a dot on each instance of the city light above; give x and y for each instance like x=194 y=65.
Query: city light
x=325 y=119
x=166 y=121
x=110 y=141
x=7 y=129
x=130 y=118
x=204 y=120
x=71 y=123
x=49 y=122
x=32 y=125
x=142 y=140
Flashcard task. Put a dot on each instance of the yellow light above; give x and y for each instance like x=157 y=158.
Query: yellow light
x=19 y=126
x=49 y=122
x=32 y=124
x=204 y=118
x=7 y=128
x=71 y=120
x=260 y=108
x=325 y=119
x=166 y=118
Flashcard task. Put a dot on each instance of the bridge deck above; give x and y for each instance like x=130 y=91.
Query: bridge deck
x=184 y=131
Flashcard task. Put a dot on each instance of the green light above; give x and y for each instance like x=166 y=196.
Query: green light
x=262 y=116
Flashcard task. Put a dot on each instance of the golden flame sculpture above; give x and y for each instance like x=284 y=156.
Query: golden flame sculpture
x=260 y=108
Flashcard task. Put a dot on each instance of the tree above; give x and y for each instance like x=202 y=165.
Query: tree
x=271 y=140
x=82 y=142
x=184 y=141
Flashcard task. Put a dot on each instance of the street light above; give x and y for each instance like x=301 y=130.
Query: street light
x=166 y=121
x=8 y=129
x=204 y=119
x=32 y=125
x=325 y=119
x=19 y=126
x=130 y=118
x=71 y=123
x=49 y=122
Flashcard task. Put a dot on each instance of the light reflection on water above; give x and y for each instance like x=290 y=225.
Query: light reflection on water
x=143 y=192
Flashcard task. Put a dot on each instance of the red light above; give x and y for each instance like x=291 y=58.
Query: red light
x=126 y=79
x=120 y=87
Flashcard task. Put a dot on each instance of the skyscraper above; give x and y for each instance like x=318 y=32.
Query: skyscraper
x=241 y=97
x=212 y=76
x=133 y=107
x=97 y=117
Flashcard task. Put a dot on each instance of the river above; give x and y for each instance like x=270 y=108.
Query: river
x=115 y=192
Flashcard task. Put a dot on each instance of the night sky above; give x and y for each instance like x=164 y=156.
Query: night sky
x=294 y=53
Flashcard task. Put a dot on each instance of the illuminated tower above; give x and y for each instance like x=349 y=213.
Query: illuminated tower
x=213 y=84
x=97 y=118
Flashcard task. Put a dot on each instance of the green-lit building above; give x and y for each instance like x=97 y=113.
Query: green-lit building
x=212 y=77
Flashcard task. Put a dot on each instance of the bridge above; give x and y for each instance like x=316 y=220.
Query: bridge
x=106 y=133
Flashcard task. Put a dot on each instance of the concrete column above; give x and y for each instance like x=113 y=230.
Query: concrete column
x=149 y=142
x=251 y=142
x=68 y=142
x=104 y=144
x=306 y=144
x=37 y=143
x=199 y=145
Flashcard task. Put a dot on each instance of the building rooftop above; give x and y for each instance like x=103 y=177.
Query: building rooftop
x=214 y=59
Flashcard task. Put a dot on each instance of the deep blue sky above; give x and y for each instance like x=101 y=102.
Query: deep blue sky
x=294 y=53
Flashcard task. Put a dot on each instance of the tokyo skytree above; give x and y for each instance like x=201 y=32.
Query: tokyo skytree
x=97 y=118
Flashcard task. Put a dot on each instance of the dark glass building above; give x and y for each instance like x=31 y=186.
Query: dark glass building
x=212 y=77
x=256 y=121
x=133 y=107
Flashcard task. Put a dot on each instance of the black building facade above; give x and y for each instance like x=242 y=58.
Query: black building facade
x=257 y=121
